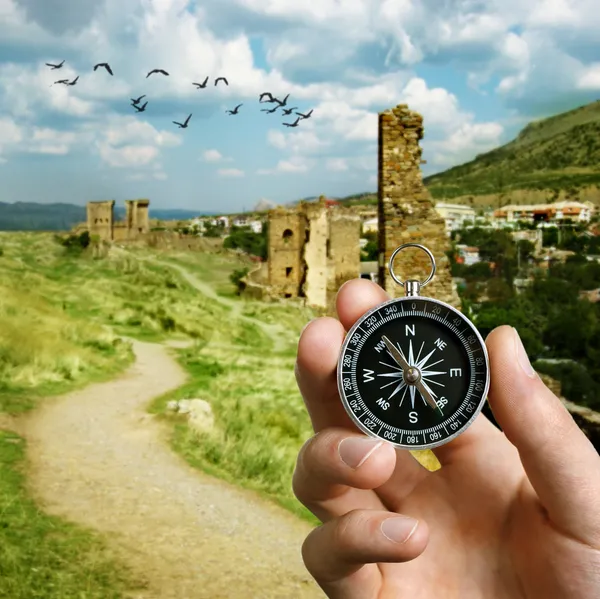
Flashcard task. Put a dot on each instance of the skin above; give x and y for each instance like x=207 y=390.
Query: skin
x=511 y=514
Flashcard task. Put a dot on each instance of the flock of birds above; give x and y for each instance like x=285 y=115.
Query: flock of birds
x=264 y=98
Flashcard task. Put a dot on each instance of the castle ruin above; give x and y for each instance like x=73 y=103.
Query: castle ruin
x=406 y=211
x=313 y=250
x=101 y=221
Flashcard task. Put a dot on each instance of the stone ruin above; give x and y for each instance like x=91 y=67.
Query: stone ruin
x=313 y=249
x=101 y=221
x=406 y=211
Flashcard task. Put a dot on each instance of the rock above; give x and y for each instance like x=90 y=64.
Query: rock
x=183 y=406
x=201 y=417
x=173 y=405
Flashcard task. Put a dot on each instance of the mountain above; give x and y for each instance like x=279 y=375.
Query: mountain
x=30 y=216
x=559 y=155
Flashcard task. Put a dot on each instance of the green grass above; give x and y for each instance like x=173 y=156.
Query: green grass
x=558 y=153
x=43 y=557
x=60 y=318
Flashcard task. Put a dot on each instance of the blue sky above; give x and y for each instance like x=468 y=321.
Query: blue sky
x=477 y=70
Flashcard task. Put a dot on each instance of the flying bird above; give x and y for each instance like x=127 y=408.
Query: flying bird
x=271 y=111
x=201 y=85
x=235 y=110
x=221 y=79
x=305 y=116
x=269 y=95
x=105 y=65
x=288 y=111
x=157 y=71
x=282 y=102
x=55 y=66
x=60 y=81
x=185 y=124
x=294 y=124
x=136 y=102
x=74 y=81
x=142 y=108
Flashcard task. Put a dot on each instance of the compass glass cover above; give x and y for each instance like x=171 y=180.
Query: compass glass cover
x=447 y=357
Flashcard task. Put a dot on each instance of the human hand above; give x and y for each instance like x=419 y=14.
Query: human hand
x=512 y=514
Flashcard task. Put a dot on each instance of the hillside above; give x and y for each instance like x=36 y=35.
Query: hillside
x=559 y=153
x=31 y=216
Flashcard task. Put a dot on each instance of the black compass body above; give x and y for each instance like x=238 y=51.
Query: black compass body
x=414 y=372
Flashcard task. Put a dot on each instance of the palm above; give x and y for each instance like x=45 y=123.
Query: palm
x=490 y=537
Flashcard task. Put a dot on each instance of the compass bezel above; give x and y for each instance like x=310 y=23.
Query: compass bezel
x=343 y=352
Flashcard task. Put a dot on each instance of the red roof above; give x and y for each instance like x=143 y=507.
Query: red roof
x=329 y=203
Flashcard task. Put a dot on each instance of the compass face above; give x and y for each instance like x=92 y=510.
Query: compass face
x=428 y=387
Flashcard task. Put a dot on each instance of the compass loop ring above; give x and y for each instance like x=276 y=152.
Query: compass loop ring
x=413 y=245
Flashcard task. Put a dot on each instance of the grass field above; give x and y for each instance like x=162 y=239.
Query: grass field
x=61 y=316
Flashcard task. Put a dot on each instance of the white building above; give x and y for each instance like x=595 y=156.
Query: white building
x=242 y=221
x=455 y=215
x=544 y=213
x=468 y=255
x=370 y=225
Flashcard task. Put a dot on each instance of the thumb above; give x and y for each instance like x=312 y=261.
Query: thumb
x=559 y=460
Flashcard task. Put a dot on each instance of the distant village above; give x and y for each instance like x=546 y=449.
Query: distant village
x=456 y=217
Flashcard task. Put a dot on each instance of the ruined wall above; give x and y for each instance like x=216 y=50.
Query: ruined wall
x=405 y=209
x=100 y=219
x=344 y=254
x=315 y=252
x=287 y=232
x=136 y=217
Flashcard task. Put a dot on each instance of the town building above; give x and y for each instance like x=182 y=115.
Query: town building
x=455 y=215
x=467 y=255
x=370 y=225
x=551 y=213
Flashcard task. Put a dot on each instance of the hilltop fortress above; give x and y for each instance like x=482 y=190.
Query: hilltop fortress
x=101 y=220
x=315 y=248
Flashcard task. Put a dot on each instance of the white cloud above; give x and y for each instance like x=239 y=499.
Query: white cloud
x=230 y=172
x=127 y=156
x=463 y=144
x=295 y=164
x=357 y=54
x=212 y=156
x=336 y=164
x=590 y=77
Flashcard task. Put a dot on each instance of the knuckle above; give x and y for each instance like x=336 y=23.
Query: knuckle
x=348 y=527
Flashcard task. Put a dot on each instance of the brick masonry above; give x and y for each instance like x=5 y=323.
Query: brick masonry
x=406 y=211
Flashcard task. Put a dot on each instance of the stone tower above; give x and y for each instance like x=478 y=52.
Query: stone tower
x=100 y=219
x=405 y=209
x=136 y=217
x=313 y=249
x=286 y=240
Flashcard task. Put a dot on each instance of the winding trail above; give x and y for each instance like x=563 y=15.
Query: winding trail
x=275 y=332
x=98 y=459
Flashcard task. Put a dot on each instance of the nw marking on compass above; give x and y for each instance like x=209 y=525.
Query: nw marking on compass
x=416 y=371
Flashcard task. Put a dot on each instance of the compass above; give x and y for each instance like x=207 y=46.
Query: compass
x=413 y=371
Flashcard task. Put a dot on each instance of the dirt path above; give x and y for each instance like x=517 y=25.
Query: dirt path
x=98 y=459
x=275 y=332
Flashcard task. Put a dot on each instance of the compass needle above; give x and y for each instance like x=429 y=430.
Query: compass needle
x=403 y=343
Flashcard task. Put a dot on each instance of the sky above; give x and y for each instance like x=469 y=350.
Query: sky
x=477 y=70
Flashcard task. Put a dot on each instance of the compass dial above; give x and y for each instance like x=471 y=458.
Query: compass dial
x=413 y=371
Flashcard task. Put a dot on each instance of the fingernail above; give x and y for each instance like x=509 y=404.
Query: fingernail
x=399 y=530
x=355 y=451
x=522 y=358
